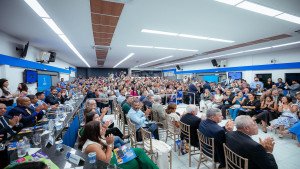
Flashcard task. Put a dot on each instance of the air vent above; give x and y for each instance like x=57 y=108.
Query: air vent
x=102 y=47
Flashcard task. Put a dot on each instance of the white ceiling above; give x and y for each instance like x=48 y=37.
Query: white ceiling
x=196 y=17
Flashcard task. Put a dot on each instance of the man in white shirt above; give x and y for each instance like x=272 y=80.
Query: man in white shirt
x=255 y=82
x=229 y=81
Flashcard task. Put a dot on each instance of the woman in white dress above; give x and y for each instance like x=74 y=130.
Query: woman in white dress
x=288 y=116
x=217 y=99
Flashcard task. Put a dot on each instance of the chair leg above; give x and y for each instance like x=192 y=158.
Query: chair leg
x=170 y=159
x=214 y=165
x=167 y=134
x=200 y=157
x=190 y=157
x=179 y=148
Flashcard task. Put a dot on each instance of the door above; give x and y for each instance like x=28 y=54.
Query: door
x=264 y=77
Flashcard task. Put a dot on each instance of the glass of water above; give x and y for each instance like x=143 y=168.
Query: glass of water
x=36 y=139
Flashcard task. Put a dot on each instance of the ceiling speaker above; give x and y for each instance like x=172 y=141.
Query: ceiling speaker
x=178 y=67
x=214 y=63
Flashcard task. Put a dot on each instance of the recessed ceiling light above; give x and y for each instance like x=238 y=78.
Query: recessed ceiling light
x=159 y=32
x=53 y=26
x=37 y=8
x=127 y=57
x=286 y=44
x=165 y=48
x=288 y=17
x=230 y=2
x=138 y=46
x=155 y=60
x=258 y=8
x=192 y=36
x=221 y=40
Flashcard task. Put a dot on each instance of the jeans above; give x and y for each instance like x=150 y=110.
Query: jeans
x=118 y=142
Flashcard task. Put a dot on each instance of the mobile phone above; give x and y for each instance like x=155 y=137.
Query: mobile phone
x=120 y=153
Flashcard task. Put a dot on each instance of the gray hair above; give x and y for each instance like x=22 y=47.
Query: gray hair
x=157 y=98
x=90 y=100
x=150 y=95
x=190 y=108
x=211 y=112
x=242 y=121
x=135 y=101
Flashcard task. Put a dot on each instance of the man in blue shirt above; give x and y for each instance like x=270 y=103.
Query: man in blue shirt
x=62 y=83
x=255 y=82
x=139 y=119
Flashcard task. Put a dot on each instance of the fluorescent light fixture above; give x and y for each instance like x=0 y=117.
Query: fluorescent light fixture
x=155 y=60
x=192 y=36
x=258 y=8
x=127 y=57
x=34 y=4
x=67 y=41
x=165 y=48
x=257 y=49
x=230 y=2
x=138 y=46
x=53 y=26
x=288 y=17
x=221 y=40
x=286 y=44
x=159 y=32
x=189 y=50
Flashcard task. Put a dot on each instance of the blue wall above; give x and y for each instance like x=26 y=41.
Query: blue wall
x=294 y=65
x=12 y=61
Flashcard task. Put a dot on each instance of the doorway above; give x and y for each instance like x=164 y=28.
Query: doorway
x=264 y=77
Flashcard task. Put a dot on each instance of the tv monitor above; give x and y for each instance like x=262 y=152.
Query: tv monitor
x=235 y=75
x=30 y=76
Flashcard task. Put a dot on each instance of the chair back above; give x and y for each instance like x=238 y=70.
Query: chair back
x=207 y=145
x=155 y=116
x=234 y=160
x=170 y=124
x=185 y=131
x=147 y=140
x=132 y=132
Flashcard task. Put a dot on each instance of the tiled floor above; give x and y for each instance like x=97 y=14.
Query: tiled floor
x=285 y=151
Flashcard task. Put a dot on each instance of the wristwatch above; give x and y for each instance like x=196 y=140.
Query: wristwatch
x=111 y=146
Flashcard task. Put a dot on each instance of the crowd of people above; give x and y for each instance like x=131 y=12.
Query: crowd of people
x=247 y=104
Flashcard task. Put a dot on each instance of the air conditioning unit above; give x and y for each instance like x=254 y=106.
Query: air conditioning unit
x=223 y=63
x=102 y=47
x=44 y=57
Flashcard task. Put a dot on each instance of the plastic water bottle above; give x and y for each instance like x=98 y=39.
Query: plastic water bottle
x=51 y=125
x=26 y=144
x=21 y=149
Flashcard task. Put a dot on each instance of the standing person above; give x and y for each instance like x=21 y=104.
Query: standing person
x=229 y=81
x=5 y=95
x=280 y=84
x=255 y=82
x=269 y=84
x=62 y=83
x=259 y=155
x=294 y=88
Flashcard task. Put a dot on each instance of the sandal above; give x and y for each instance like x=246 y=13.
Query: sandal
x=280 y=136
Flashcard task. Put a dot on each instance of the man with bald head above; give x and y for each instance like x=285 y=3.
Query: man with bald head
x=29 y=116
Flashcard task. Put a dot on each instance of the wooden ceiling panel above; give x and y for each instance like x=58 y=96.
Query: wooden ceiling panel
x=100 y=28
x=102 y=35
x=101 y=57
x=104 y=19
x=100 y=62
x=101 y=52
x=105 y=7
x=105 y=44
x=279 y=37
x=102 y=40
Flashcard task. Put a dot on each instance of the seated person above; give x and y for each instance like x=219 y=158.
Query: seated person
x=41 y=97
x=191 y=118
x=127 y=106
x=210 y=128
x=171 y=111
x=217 y=98
x=288 y=116
x=9 y=126
x=30 y=165
x=295 y=129
x=55 y=98
x=258 y=90
x=156 y=106
x=91 y=104
x=34 y=104
x=92 y=141
x=227 y=102
x=139 y=119
x=92 y=116
x=269 y=113
x=29 y=115
x=147 y=101
x=250 y=106
x=237 y=102
x=259 y=155
x=206 y=100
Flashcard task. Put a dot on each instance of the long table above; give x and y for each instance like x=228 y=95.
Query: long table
x=59 y=157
